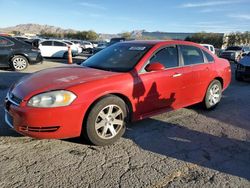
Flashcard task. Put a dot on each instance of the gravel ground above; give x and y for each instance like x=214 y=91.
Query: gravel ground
x=189 y=147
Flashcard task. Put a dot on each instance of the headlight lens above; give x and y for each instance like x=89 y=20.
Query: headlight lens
x=52 y=99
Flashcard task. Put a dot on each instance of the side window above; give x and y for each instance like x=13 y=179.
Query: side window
x=5 y=42
x=191 y=55
x=167 y=56
x=47 y=43
x=208 y=56
x=56 y=43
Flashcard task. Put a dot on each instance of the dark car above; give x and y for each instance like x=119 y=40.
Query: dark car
x=17 y=54
x=234 y=53
x=243 y=68
x=112 y=41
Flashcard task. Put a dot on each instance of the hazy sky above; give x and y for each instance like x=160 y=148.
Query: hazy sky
x=113 y=16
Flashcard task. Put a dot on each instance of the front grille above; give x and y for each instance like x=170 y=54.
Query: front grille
x=39 y=129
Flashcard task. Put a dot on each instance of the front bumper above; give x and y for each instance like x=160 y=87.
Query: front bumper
x=44 y=123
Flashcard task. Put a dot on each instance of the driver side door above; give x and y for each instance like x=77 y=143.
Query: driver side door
x=160 y=90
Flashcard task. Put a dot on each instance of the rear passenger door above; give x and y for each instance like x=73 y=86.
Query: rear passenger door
x=59 y=49
x=197 y=72
x=46 y=48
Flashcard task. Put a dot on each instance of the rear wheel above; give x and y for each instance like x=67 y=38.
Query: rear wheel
x=19 y=63
x=106 y=121
x=213 y=95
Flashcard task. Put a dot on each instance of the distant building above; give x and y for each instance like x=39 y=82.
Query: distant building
x=167 y=35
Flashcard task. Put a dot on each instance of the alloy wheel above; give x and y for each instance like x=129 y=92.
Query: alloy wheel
x=19 y=63
x=214 y=95
x=109 y=121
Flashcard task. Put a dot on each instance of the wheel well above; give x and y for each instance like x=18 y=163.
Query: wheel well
x=220 y=80
x=121 y=96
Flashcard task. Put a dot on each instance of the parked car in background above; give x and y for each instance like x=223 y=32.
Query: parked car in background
x=115 y=40
x=234 y=53
x=55 y=48
x=87 y=46
x=125 y=82
x=243 y=68
x=17 y=54
x=78 y=43
x=100 y=47
x=94 y=43
x=209 y=47
x=74 y=47
x=218 y=51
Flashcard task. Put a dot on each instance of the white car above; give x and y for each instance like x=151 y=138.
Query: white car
x=209 y=47
x=55 y=48
x=86 y=45
x=74 y=47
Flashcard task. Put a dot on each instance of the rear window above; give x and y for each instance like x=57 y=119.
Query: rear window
x=208 y=56
x=191 y=55
x=5 y=42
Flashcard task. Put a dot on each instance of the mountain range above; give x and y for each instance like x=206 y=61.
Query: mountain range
x=138 y=34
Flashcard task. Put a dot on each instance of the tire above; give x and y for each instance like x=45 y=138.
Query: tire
x=213 y=95
x=100 y=128
x=19 y=63
x=238 y=77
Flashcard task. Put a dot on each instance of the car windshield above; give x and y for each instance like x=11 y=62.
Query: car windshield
x=234 y=48
x=121 y=57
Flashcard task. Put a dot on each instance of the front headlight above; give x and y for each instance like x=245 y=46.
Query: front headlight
x=52 y=99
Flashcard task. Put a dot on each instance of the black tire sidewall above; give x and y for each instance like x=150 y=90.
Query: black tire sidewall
x=89 y=129
x=206 y=100
x=19 y=56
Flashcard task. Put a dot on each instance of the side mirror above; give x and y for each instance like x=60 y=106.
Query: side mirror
x=154 y=67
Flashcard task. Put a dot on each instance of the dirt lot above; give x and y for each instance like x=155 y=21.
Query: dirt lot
x=189 y=147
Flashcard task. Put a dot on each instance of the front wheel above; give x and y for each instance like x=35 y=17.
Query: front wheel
x=213 y=95
x=106 y=121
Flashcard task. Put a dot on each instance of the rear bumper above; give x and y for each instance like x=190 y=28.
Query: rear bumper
x=35 y=58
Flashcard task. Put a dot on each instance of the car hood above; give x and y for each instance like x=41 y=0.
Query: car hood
x=57 y=78
x=245 y=61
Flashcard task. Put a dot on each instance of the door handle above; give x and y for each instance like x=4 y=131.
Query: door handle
x=176 y=75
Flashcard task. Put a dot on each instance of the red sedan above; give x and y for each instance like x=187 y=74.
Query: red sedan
x=125 y=82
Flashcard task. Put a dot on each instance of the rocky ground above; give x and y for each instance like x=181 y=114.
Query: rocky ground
x=189 y=147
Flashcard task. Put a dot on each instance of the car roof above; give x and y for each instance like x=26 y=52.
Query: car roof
x=161 y=42
x=53 y=40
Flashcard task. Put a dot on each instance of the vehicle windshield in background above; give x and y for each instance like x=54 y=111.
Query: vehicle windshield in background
x=234 y=48
x=121 y=57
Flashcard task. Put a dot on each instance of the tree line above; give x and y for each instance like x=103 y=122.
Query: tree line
x=219 y=39
x=81 y=35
